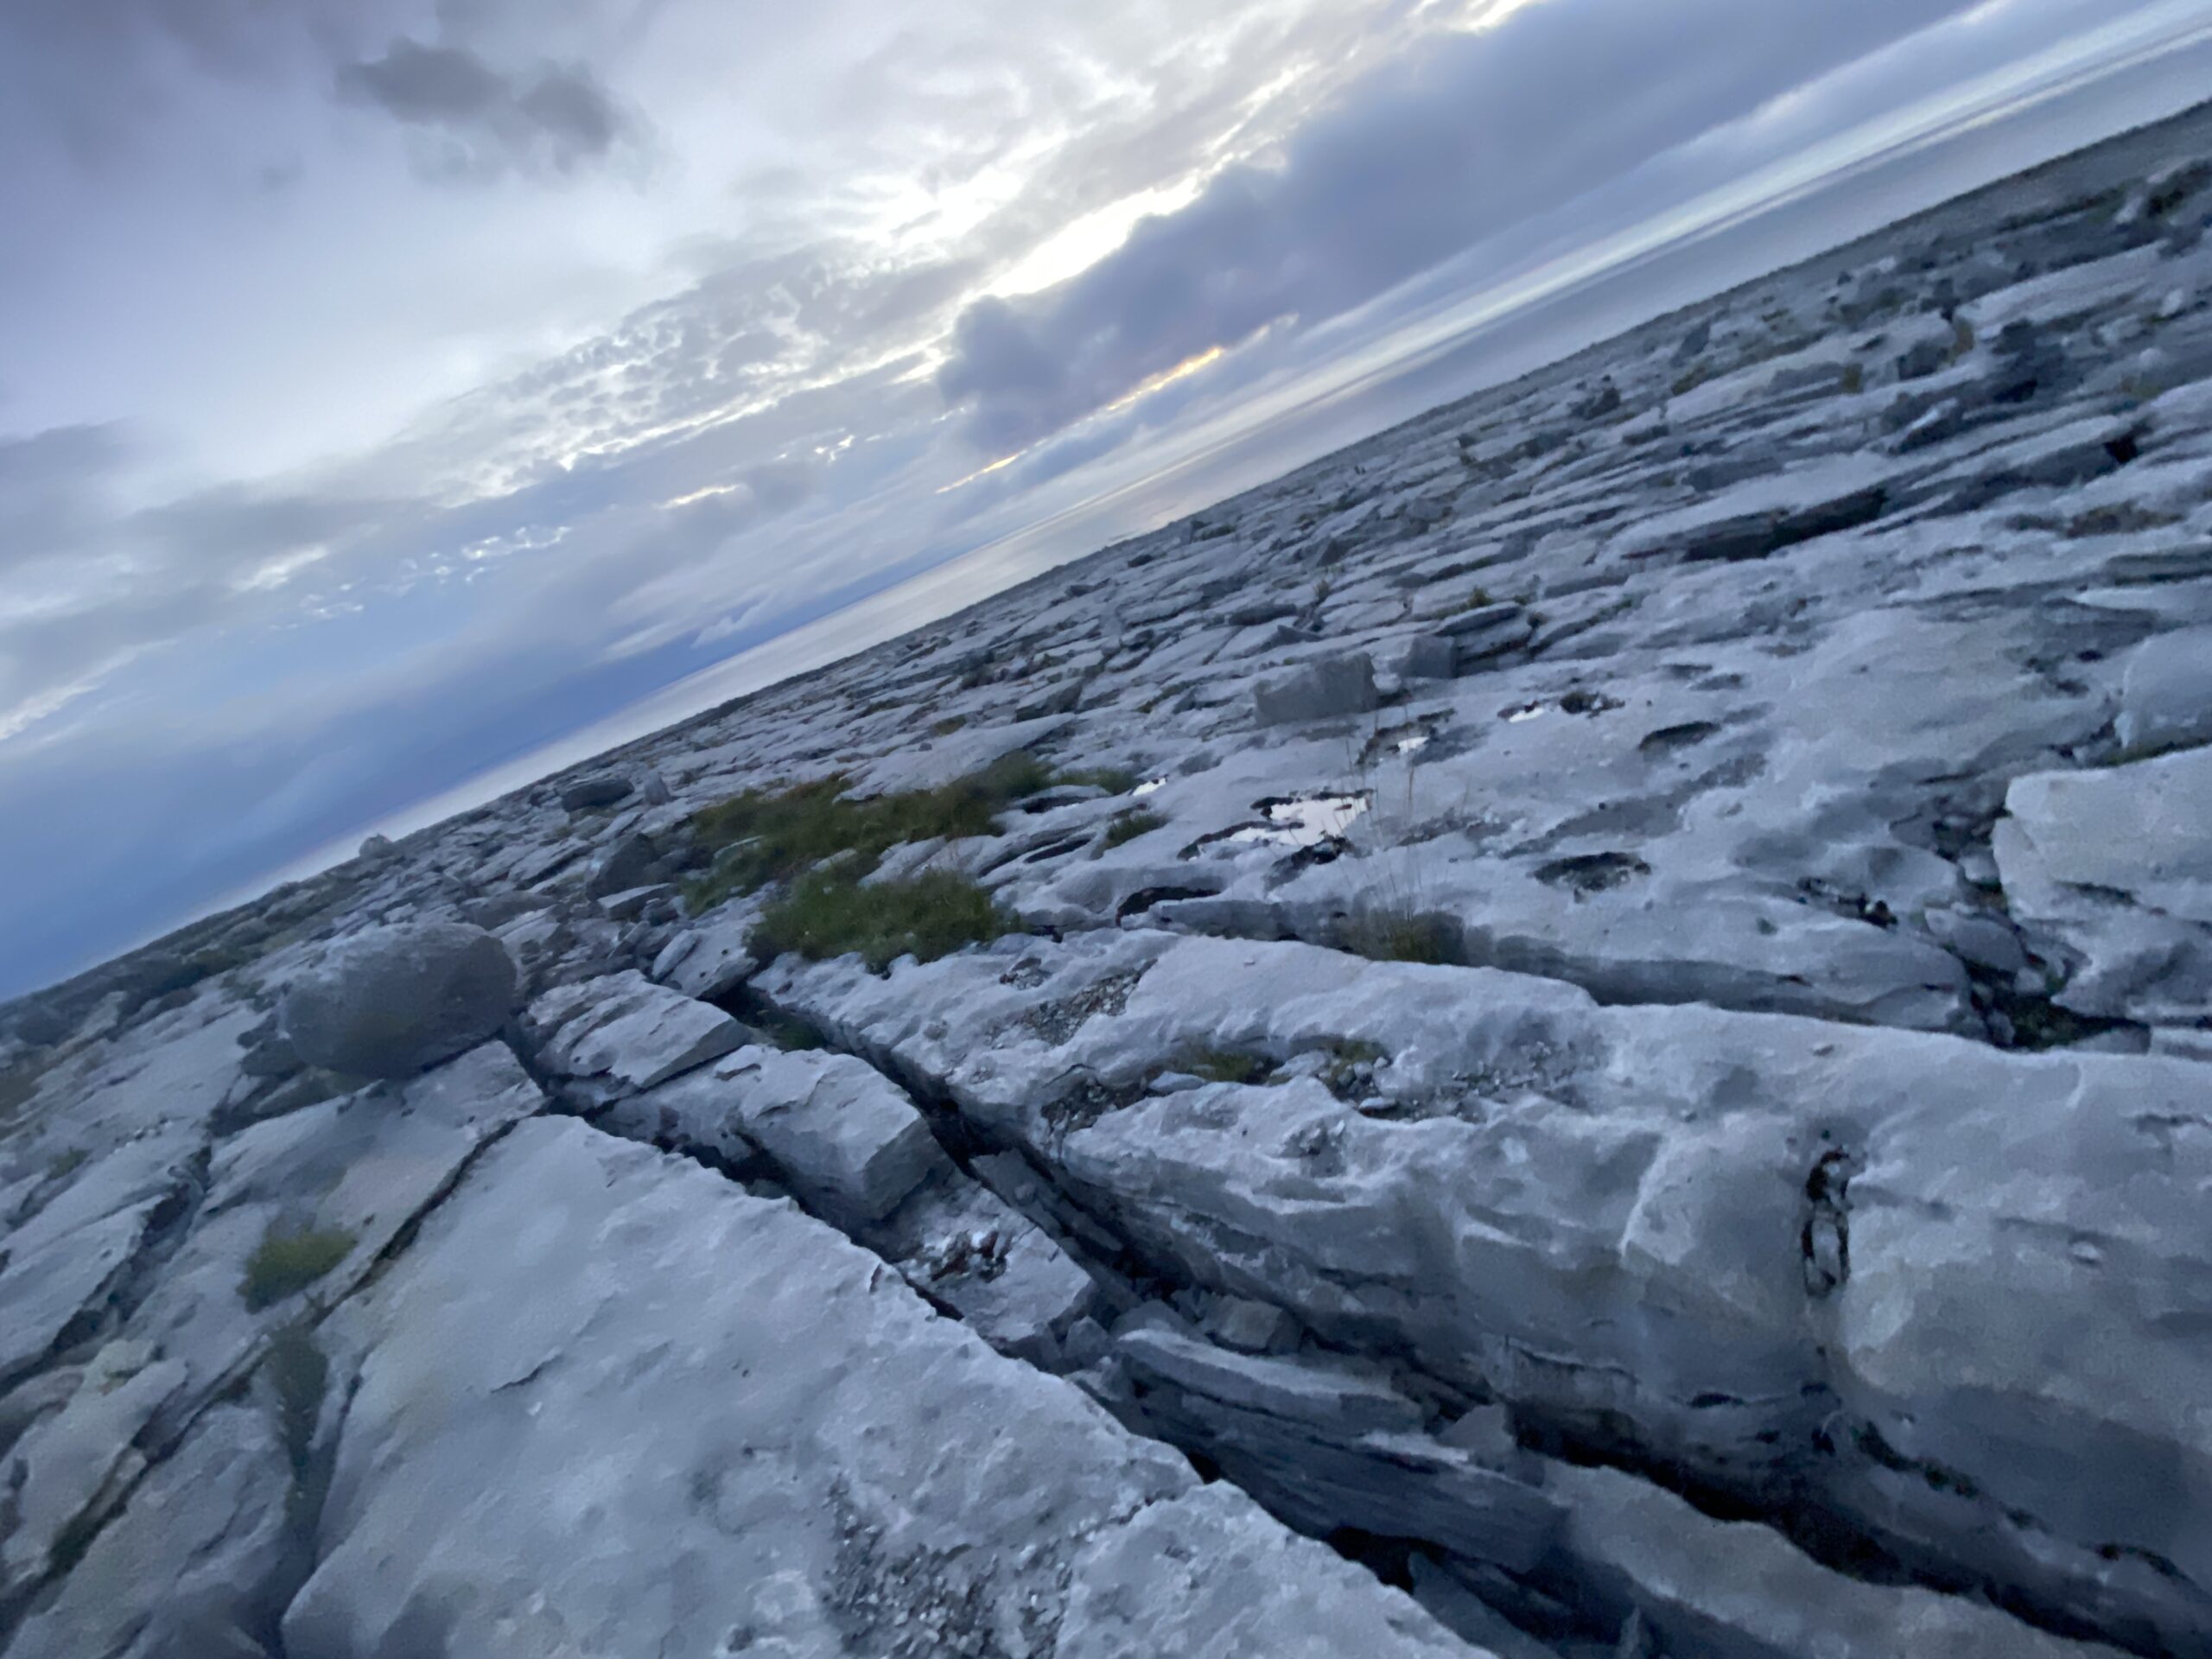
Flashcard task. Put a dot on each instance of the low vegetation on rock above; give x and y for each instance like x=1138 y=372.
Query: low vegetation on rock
x=762 y=837
x=285 y=1263
x=830 y=913
x=1128 y=826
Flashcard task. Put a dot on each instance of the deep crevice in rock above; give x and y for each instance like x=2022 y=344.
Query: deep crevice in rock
x=2082 y=1601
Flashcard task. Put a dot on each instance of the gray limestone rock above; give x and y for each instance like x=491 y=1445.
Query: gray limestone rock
x=1735 y=1590
x=849 y=1142
x=1680 y=1223
x=194 y=1567
x=76 y=1462
x=391 y=1002
x=2166 y=698
x=622 y=1033
x=711 y=957
x=1327 y=689
x=630 y=863
x=838 y=1469
x=589 y=794
x=2116 y=865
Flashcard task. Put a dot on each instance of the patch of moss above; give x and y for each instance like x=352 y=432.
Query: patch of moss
x=1694 y=376
x=758 y=838
x=1224 y=1065
x=17 y=1085
x=298 y=1374
x=1399 y=936
x=1128 y=826
x=283 y=1264
x=1350 y=1062
x=830 y=913
x=1114 y=780
x=948 y=726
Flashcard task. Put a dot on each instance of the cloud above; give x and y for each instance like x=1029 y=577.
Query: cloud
x=47 y=479
x=1414 y=163
x=558 y=117
x=738 y=429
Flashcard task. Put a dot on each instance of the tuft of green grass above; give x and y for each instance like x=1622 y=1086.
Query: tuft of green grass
x=1854 y=379
x=759 y=838
x=298 y=1374
x=1128 y=826
x=1224 y=1065
x=1694 y=376
x=1114 y=780
x=18 y=1085
x=948 y=726
x=285 y=1263
x=786 y=1032
x=1350 y=1061
x=67 y=1164
x=829 y=913
x=1399 y=936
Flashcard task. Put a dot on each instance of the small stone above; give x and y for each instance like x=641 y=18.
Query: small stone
x=634 y=902
x=1980 y=940
x=629 y=864
x=594 y=792
x=1252 y=1327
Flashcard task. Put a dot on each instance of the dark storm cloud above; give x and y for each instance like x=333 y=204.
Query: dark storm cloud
x=1465 y=138
x=557 y=115
x=101 y=74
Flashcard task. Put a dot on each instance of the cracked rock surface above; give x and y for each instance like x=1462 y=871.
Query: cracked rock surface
x=1582 y=1030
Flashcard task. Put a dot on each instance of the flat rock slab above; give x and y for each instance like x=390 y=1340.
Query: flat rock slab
x=783 y=1439
x=1680 y=1223
x=194 y=1566
x=2137 y=831
x=1736 y=1588
x=355 y=1171
x=1327 y=689
x=1762 y=517
x=840 y=1135
x=2166 y=695
x=845 y=1136
x=622 y=1033
x=846 y=1142
x=963 y=1246
x=2115 y=864
x=712 y=957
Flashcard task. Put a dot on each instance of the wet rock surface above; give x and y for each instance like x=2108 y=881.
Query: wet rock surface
x=1582 y=1030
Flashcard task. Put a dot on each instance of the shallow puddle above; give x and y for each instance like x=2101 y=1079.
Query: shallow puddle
x=1302 y=822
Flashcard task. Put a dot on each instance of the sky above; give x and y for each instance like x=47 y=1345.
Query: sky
x=395 y=394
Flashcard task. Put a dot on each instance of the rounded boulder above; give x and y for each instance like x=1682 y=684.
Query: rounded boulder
x=392 y=1002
